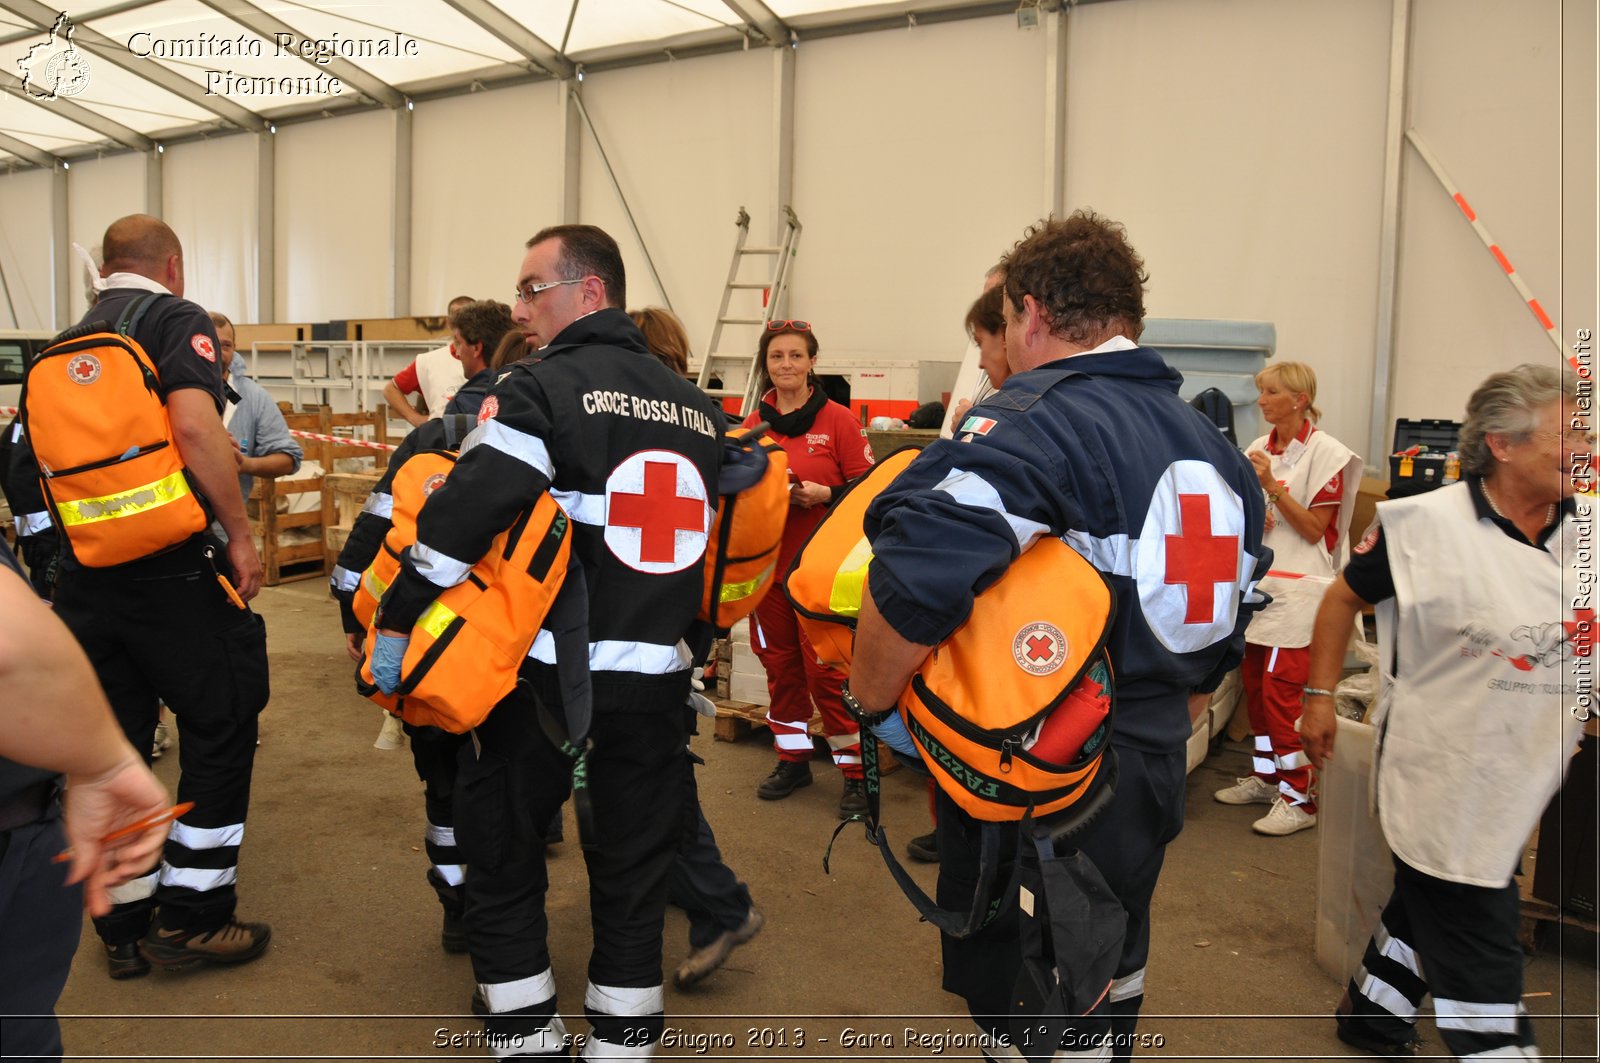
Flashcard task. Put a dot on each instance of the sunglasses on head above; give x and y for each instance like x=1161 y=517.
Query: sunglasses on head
x=793 y=326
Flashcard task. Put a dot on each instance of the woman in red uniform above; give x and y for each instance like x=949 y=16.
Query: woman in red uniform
x=826 y=448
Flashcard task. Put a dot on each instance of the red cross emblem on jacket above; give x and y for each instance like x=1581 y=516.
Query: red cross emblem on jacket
x=1188 y=562
x=657 y=512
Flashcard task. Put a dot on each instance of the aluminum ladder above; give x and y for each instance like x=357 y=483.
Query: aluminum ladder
x=725 y=374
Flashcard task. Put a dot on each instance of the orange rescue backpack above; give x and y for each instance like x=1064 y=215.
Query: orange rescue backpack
x=467 y=646
x=1012 y=712
x=112 y=476
x=752 y=506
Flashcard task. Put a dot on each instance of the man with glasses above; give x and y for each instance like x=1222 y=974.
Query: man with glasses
x=631 y=450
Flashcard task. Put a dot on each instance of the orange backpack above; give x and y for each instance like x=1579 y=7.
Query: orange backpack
x=1012 y=712
x=752 y=505
x=112 y=476
x=413 y=482
x=828 y=577
x=467 y=646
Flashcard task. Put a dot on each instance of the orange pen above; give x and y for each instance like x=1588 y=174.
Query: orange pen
x=233 y=595
x=165 y=815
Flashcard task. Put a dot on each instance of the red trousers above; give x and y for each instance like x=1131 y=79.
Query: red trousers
x=794 y=679
x=1273 y=678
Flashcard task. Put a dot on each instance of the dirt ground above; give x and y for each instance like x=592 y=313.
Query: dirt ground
x=843 y=969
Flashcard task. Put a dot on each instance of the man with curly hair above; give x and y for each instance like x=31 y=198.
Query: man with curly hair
x=1086 y=440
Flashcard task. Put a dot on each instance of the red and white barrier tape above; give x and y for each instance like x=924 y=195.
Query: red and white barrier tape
x=1494 y=249
x=349 y=441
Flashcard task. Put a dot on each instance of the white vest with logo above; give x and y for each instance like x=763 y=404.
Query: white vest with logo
x=439 y=376
x=1301 y=571
x=1475 y=723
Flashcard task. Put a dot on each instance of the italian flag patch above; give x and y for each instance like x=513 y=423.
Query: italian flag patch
x=979 y=425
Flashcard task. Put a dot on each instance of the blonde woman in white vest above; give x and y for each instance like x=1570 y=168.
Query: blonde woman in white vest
x=1484 y=598
x=1310 y=480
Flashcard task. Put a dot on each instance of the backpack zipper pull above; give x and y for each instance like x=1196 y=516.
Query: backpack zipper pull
x=1005 y=754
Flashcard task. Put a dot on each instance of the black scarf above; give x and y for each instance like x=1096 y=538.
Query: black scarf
x=797 y=421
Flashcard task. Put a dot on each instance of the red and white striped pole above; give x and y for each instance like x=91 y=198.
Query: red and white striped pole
x=1494 y=249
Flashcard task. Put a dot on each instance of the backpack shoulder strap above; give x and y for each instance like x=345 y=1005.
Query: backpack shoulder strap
x=136 y=311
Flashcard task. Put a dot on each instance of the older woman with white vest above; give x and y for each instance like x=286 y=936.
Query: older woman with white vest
x=1310 y=480
x=1484 y=592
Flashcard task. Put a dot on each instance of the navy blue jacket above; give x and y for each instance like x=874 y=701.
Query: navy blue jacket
x=1099 y=450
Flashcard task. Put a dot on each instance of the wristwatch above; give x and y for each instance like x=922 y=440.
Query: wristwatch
x=861 y=715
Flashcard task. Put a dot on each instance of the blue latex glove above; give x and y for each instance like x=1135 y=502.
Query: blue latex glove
x=892 y=732
x=388 y=653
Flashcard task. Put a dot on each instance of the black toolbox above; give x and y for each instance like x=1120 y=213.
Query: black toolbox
x=1433 y=465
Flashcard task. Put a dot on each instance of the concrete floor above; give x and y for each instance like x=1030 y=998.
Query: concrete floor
x=333 y=861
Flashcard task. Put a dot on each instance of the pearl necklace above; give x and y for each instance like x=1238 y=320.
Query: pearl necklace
x=1549 y=514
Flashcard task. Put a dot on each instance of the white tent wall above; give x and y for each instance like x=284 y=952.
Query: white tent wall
x=483 y=178
x=1580 y=160
x=208 y=196
x=919 y=158
x=1241 y=143
x=691 y=142
x=99 y=191
x=1486 y=97
x=25 y=248
x=334 y=213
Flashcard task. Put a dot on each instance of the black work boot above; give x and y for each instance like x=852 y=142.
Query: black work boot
x=853 y=802
x=786 y=778
x=126 y=961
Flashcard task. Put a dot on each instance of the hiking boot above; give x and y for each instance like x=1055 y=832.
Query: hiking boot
x=853 y=802
x=1250 y=790
x=786 y=778
x=453 y=935
x=924 y=848
x=234 y=942
x=126 y=961
x=702 y=961
x=161 y=741
x=1284 y=819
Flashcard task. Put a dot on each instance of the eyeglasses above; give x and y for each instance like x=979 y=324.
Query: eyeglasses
x=526 y=292
x=793 y=326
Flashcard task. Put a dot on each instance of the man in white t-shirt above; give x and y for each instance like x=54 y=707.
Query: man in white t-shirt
x=435 y=375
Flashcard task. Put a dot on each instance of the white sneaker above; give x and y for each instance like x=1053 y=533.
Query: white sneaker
x=392 y=736
x=1283 y=818
x=1250 y=790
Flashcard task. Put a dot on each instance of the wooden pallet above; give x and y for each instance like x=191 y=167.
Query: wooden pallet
x=735 y=719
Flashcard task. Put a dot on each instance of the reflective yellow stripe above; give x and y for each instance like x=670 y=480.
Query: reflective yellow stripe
x=732 y=592
x=124 y=503
x=850 y=582
x=435 y=619
x=375 y=586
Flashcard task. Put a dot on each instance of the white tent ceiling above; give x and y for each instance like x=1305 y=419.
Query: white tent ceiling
x=158 y=71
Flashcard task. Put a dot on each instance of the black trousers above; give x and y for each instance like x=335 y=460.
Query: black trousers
x=40 y=918
x=1127 y=843
x=162 y=629
x=705 y=887
x=434 y=753
x=508 y=788
x=1457 y=942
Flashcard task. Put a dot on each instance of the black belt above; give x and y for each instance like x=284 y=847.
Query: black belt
x=37 y=803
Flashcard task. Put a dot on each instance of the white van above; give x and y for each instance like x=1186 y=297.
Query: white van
x=17 y=349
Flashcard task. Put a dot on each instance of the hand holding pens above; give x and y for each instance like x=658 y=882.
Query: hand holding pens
x=165 y=816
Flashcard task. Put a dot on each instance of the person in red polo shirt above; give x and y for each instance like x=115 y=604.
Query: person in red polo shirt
x=826 y=448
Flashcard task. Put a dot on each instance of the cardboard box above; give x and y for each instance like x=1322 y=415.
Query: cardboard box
x=1355 y=874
